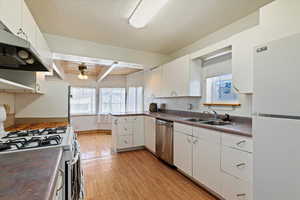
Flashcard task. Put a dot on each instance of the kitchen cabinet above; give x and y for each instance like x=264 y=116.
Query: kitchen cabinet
x=138 y=131
x=11 y=14
x=153 y=82
x=127 y=132
x=16 y=16
x=150 y=129
x=219 y=161
x=34 y=80
x=182 y=77
x=242 y=59
x=206 y=158
x=183 y=152
x=237 y=167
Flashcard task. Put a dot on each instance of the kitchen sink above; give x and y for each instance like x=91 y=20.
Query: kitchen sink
x=216 y=123
x=195 y=119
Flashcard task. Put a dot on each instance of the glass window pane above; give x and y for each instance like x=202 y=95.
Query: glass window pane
x=83 y=100
x=112 y=100
x=220 y=89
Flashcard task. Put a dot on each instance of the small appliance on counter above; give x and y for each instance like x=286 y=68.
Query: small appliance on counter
x=153 y=107
x=162 y=107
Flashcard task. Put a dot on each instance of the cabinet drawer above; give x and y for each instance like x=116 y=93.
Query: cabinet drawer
x=235 y=189
x=238 y=142
x=183 y=128
x=237 y=163
x=125 y=129
x=123 y=120
x=207 y=135
x=125 y=141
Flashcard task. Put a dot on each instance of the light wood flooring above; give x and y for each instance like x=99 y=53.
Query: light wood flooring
x=136 y=175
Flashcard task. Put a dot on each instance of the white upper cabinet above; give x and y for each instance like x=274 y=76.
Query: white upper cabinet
x=153 y=83
x=182 y=77
x=279 y=19
x=16 y=16
x=242 y=59
x=11 y=14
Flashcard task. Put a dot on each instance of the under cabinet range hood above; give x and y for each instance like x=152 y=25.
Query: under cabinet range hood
x=17 y=53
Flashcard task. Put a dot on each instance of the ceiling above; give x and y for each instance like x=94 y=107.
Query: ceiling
x=70 y=67
x=178 y=24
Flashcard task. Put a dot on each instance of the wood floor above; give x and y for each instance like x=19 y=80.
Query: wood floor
x=134 y=175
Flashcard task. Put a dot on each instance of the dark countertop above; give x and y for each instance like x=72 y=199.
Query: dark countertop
x=29 y=174
x=239 y=126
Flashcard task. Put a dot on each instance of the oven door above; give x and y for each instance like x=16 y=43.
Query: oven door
x=74 y=176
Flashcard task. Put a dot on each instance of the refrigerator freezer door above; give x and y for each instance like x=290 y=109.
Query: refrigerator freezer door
x=276 y=158
x=277 y=77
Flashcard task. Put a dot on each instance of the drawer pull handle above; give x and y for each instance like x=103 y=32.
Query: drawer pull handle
x=241 y=195
x=195 y=141
x=240 y=165
x=241 y=142
x=125 y=141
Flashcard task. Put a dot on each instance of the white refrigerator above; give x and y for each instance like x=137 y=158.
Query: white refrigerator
x=276 y=120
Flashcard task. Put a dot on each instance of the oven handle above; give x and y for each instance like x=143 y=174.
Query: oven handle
x=76 y=157
x=62 y=181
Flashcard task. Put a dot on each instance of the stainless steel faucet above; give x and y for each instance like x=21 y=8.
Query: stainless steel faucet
x=216 y=115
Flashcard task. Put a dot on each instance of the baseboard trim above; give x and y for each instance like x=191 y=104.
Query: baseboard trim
x=130 y=149
x=97 y=131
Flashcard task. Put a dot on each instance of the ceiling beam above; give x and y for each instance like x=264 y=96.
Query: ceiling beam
x=104 y=73
x=87 y=60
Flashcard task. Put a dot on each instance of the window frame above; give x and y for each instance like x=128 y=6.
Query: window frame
x=210 y=101
x=94 y=107
x=100 y=102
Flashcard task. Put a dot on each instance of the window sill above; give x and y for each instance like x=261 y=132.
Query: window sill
x=223 y=104
x=83 y=115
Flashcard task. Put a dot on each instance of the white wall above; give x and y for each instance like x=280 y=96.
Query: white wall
x=71 y=46
x=52 y=104
x=135 y=79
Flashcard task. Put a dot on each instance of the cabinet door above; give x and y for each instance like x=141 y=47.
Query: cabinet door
x=206 y=164
x=183 y=151
x=11 y=14
x=114 y=133
x=29 y=26
x=176 y=76
x=242 y=59
x=138 y=131
x=150 y=133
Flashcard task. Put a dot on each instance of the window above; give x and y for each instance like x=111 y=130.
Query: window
x=219 y=89
x=83 y=101
x=111 y=100
x=135 y=99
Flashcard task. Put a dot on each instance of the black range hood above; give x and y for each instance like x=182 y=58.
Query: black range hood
x=18 y=54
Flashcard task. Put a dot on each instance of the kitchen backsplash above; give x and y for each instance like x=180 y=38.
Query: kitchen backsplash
x=182 y=103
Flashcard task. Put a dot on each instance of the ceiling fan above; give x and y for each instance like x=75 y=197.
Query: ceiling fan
x=82 y=75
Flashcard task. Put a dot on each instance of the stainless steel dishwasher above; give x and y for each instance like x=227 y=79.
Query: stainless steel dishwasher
x=164 y=141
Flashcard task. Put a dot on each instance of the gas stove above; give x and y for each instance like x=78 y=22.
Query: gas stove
x=36 y=132
x=36 y=139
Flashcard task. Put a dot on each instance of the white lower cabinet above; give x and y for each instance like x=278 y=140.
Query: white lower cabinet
x=127 y=132
x=235 y=189
x=183 y=152
x=213 y=159
x=150 y=130
x=206 y=158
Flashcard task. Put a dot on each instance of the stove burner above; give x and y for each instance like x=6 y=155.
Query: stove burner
x=4 y=146
x=37 y=132
x=34 y=142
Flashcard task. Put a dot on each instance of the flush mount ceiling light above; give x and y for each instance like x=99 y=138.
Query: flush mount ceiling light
x=144 y=11
x=82 y=74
